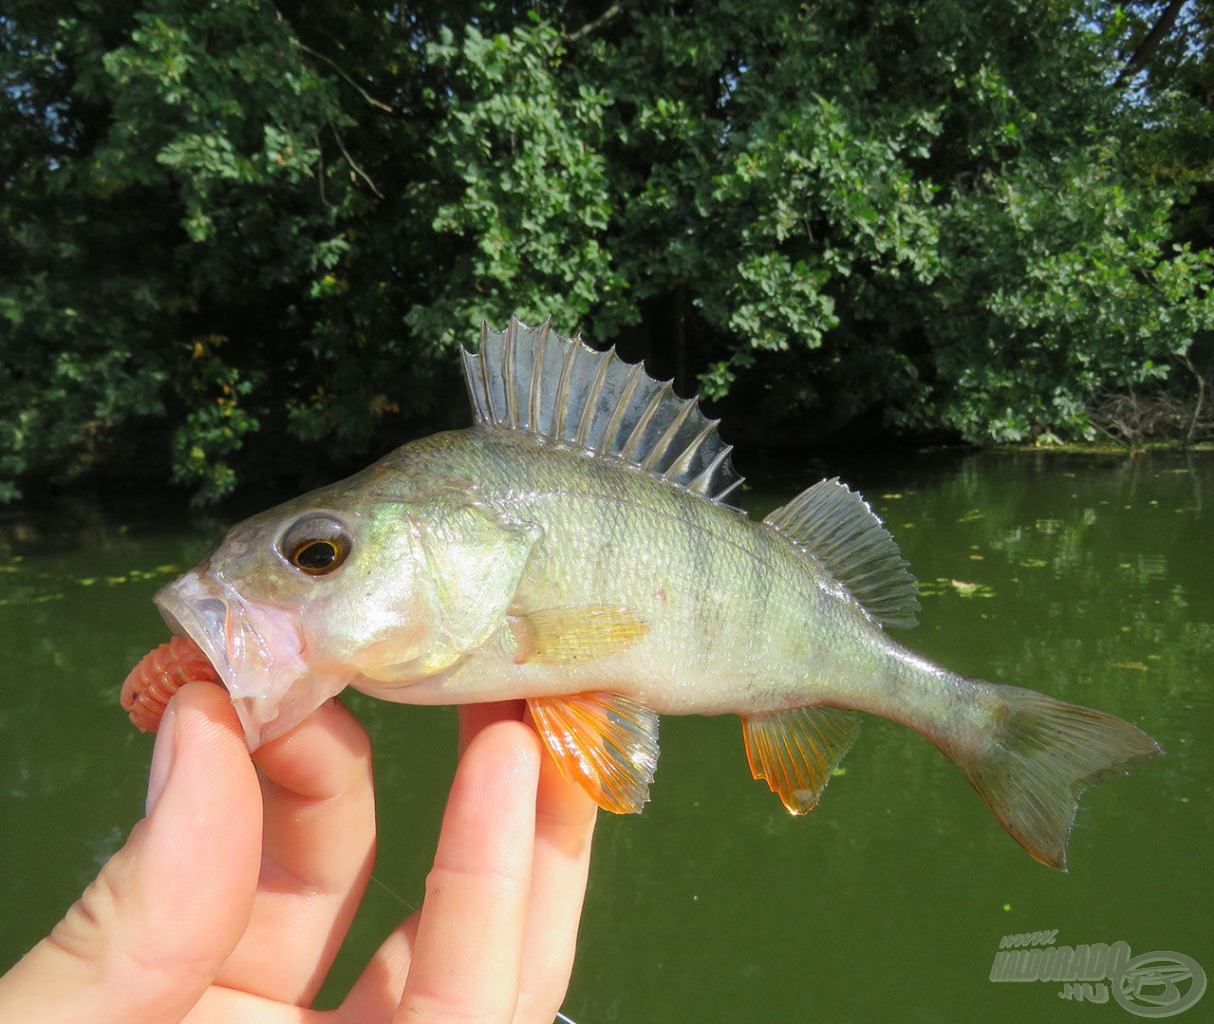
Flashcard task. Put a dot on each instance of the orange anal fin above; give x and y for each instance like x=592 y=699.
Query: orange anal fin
x=606 y=743
x=796 y=751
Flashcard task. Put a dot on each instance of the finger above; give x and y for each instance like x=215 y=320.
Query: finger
x=565 y=818
x=468 y=949
x=148 y=935
x=474 y=717
x=376 y=994
x=227 y=1006
x=318 y=852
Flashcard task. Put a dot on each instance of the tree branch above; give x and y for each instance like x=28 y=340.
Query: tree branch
x=320 y=170
x=334 y=65
x=592 y=26
x=350 y=160
x=1146 y=49
x=1201 y=394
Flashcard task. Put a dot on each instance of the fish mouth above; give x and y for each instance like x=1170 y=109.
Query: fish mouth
x=256 y=648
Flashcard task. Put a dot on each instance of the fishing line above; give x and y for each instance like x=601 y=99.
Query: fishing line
x=393 y=893
x=560 y=1017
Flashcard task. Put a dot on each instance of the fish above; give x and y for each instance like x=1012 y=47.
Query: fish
x=580 y=547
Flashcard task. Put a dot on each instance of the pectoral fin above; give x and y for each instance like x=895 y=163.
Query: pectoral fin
x=583 y=633
x=796 y=751
x=606 y=743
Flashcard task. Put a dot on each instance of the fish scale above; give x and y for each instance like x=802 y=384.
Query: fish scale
x=649 y=536
x=579 y=548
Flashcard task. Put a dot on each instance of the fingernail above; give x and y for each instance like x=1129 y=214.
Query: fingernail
x=162 y=757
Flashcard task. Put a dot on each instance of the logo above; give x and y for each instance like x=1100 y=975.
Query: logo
x=1158 y=984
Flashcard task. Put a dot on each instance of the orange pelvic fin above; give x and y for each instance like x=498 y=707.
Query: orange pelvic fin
x=606 y=743
x=796 y=751
x=583 y=633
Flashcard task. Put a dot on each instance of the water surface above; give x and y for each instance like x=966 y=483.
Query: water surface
x=1088 y=578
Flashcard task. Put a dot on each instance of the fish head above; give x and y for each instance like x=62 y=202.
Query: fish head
x=294 y=603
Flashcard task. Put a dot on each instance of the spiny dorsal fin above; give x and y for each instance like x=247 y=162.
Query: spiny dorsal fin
x=535 y=380
x=834 y=524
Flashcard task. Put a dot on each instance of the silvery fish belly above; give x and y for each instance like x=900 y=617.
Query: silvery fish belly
x=578 y=548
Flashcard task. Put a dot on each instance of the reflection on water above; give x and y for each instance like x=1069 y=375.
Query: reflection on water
x=1089 y=579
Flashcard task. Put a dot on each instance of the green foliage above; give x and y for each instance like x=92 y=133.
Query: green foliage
x=1061 y=283
x=236 y=238
x=518 y=193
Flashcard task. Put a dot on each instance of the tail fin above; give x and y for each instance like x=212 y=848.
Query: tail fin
x=1038 y=756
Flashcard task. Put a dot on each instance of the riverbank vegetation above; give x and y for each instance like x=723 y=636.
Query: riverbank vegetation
x=238 y=237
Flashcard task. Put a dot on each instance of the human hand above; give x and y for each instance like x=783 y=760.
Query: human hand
x=231 y=898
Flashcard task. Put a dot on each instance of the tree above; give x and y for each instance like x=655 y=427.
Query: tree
x=257 y=230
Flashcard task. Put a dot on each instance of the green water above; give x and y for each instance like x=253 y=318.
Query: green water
x=1090 y=579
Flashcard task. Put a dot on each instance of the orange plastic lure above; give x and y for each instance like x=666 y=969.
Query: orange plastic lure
x=159 y=675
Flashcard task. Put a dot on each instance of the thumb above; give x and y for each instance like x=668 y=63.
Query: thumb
x=147 y=937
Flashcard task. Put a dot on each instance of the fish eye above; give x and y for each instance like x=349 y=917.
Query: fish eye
x=316 y=545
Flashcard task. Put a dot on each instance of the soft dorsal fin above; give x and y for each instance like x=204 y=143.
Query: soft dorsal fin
x=535 y=380
x=834 y=524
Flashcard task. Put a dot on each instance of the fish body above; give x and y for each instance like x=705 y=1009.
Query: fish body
x=736 y=618
x=576 y=548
